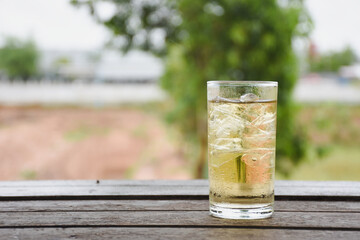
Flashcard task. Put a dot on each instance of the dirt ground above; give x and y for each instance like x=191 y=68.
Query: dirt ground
x=72 y=143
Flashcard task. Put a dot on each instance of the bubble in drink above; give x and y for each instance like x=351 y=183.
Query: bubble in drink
x=241 y=151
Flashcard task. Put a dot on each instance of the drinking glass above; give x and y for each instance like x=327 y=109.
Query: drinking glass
x=241 y=148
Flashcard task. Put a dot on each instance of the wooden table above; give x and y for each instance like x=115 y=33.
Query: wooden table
x=171 y=210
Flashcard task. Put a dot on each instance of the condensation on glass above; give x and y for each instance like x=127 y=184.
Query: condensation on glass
x=241 y=148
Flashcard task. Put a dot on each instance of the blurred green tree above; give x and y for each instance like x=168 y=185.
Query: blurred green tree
x=19 y=59
x=332 y=61
x=224 y=39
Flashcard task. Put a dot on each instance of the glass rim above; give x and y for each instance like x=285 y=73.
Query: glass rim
x=243 y=83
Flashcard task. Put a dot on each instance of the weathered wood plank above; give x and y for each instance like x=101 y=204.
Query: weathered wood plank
x=317 y=206
x=317 y=188
x=165 y=205
x=195 y=188
x=104 y=205
x=195 y=182
x=302 y=220
x=83 y=192
x=173 y=233
x=78 y=183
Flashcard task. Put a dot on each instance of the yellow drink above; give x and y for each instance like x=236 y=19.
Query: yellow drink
x=241 y=138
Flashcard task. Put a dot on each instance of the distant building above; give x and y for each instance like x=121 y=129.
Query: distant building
x=108 y=66
x=135 y=67
x=66 y=65
x=350 y=72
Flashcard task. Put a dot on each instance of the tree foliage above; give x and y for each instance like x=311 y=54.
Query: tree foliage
x=332 y=61
x=18 y=59
x=208 y=40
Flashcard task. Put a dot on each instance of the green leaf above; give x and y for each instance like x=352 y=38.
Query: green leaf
x=241 y=169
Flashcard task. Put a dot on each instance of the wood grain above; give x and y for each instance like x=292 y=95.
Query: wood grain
x=173 y=233
x=307 y=220
x=194 y=189
x=165 y=205
x=170 y=210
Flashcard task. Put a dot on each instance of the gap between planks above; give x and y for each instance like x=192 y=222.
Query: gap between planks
x=174 y=233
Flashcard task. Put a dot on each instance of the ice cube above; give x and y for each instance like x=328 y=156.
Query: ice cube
x=218 y=99
x=224 y=122
x=249 y=97
x=227 y=144
x=259 y=141
x=257 y=157
x=264 y=120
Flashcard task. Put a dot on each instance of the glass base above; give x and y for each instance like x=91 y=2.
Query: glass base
x=242 y=213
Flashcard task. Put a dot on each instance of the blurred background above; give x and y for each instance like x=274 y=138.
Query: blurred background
x=117 y=89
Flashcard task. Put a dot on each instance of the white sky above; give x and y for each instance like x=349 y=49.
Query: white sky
x=56 y=25
x=337 y=23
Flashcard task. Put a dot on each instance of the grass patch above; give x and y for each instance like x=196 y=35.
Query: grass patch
x=140 y=131
x=334 y=132
x=342 y=163
x=83 y=132
x=28 y=175
x=332 y=124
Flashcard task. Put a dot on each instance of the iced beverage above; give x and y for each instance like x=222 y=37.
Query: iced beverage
x=241 y=154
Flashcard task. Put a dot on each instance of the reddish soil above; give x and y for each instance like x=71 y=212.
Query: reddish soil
x=69 y=143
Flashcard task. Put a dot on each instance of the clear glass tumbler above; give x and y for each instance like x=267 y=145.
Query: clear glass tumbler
x=241 y=148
